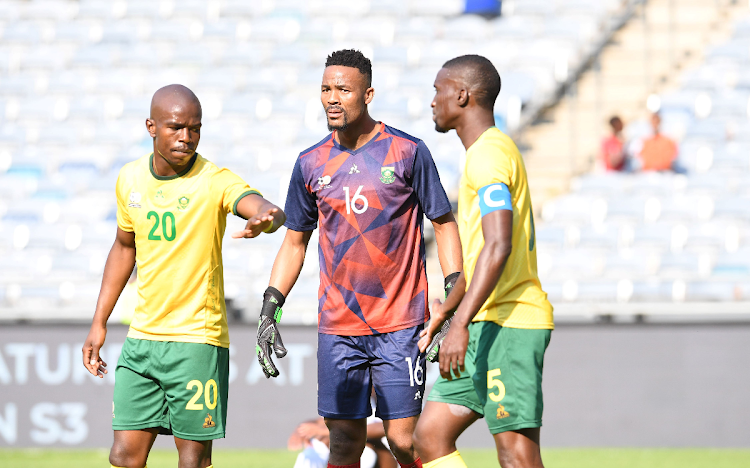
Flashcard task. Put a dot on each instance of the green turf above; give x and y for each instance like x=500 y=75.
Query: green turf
x=553 y=458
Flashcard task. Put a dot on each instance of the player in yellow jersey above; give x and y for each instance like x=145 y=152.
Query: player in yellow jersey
x=172 y=205
x=492 y=355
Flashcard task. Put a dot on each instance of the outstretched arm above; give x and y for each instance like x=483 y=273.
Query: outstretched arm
x=261 y=216
x=117 y=270
x=497 y=227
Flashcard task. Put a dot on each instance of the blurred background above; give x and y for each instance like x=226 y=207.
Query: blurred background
x=633 y=117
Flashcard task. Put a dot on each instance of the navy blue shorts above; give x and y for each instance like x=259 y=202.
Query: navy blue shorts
x=350 y=366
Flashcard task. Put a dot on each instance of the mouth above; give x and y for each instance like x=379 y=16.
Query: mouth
x=334 y=112
x=182 y=152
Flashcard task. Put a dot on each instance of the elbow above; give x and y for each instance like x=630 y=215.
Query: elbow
x=499 y=251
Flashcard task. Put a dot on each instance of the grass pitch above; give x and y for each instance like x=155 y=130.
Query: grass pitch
x=553 y=458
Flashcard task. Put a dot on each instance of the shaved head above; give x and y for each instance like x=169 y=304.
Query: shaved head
x=172 y=96
x=478 y=76
x=174 y=125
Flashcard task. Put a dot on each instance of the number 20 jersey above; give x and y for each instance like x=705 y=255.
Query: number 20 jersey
x=370 y=204
x=179 y=223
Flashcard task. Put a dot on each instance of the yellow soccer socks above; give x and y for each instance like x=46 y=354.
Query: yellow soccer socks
x=452 y=460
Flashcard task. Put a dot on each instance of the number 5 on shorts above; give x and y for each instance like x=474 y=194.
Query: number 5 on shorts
x=492 y=382
x=210 y=402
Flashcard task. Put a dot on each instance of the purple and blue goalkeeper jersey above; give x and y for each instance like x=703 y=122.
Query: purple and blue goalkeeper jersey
x=370 y=204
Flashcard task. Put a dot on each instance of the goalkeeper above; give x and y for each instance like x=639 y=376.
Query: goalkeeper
x=367 y=186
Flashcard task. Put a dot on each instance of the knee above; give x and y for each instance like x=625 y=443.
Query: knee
x=120 y=456
x=346 y=440
x=419 y=439
x=401 y=445
x=517 y=459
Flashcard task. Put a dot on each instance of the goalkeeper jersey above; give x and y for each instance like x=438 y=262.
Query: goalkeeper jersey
x=495 y=178
x=179 y=223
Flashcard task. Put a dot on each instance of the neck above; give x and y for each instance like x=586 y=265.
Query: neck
x=357 y=133
x=471 y=127
x=163 y=168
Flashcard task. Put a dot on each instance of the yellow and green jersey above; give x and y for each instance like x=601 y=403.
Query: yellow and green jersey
x=494 y=178
x=179 y=223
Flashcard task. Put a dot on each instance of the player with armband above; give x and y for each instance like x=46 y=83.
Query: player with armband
x=367 y=187
x=492 y=354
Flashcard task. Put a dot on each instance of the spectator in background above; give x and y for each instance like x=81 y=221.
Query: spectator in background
x=659 y=152
x=613 y=147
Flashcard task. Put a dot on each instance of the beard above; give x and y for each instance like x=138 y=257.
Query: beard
x=339 y=126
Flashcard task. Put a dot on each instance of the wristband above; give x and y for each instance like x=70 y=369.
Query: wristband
x=451 y=279
x=273 y=300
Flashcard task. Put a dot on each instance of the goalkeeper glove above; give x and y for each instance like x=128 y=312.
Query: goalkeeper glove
x=433 y=350
x=268 y=331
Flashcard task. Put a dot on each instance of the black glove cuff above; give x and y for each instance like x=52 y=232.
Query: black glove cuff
x=451 y=279
x=272 y=300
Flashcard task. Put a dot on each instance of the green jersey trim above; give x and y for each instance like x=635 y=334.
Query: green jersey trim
x=179 y=174
x=237 y=202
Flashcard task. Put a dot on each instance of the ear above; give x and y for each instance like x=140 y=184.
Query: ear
x=151 y=127
x=369 y=94
x=463 y=97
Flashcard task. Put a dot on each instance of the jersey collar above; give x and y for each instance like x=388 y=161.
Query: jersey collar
x=351 y=151
x=175 y=176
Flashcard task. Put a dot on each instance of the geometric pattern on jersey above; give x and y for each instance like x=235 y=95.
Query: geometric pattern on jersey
x=518 y=300
x=369 y=204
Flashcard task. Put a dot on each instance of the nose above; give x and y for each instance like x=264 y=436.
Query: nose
x=333 y=97
x=184 y=135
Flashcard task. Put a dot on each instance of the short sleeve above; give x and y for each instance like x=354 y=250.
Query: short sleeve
x=123 y=199
x=489 y=165
x=426 y=184
x=301 y=208
x=230 y=188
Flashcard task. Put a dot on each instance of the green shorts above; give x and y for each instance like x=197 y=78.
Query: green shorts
x=180 y=388
x=503 y=378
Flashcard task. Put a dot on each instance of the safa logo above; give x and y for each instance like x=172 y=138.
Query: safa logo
x=387 y=175
x=182 y=203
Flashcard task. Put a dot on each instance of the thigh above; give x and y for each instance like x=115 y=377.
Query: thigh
x=195 y=377
x=138 y=401
x=398 y=373
x=508 y=377
x=344 y=383
x=460 y=391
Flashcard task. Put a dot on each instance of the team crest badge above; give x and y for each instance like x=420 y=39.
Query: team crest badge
x=182 y=203
x=209 y=422
x=387 y=175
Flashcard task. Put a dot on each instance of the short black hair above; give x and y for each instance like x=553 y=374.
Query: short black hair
x=613 y=121
x=481 y=77
x=352 y=58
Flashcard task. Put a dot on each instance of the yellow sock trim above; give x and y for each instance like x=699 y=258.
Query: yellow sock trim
x=452 y=460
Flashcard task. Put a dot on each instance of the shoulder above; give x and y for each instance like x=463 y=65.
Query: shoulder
x=494 y=146
x=402 y=137
x=317 y=146
x=132 y=170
